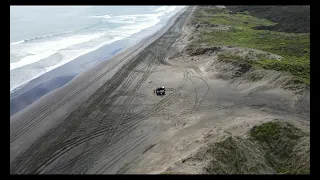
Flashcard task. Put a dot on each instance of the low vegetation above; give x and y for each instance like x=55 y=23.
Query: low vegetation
x=244 y=32
x=295 y=19
x=236 y=156
x=280 y=140
x=273 y=147
x=298 y=68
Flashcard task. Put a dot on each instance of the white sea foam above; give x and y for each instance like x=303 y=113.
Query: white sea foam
x=35 y=53
x=67 y=56
x=39 y=37
x=18 y=42
x=103 y=16
x=45 y=49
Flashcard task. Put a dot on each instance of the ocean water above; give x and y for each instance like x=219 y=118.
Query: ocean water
x=43 y=38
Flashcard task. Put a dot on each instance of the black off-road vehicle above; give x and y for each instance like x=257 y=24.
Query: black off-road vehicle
x=160 y=91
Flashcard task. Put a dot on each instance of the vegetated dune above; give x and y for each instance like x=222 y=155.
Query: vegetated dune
x=272 y=147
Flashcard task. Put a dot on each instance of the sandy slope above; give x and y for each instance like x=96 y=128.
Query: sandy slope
x=109 y=121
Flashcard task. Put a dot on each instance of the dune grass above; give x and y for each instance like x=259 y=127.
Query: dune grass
x=294 y=19
x=299 y=68
x=236 y=156
x=272 y=147
x=280 y=140
x=293 y=47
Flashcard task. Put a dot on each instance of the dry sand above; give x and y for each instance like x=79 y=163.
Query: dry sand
x=107 y=120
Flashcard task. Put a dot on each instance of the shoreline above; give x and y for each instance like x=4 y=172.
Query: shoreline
x=47 y=113
x=19 y=99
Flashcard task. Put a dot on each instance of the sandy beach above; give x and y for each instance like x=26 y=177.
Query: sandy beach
x=108 y=120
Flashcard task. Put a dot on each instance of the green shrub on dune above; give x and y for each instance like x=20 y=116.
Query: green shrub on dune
x=293 y=47
x=272 y=147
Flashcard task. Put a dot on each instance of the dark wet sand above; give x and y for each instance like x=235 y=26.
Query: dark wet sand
x=27 y=98
x=39 y=133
